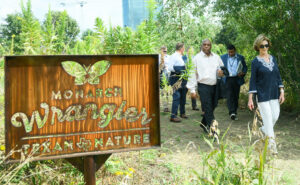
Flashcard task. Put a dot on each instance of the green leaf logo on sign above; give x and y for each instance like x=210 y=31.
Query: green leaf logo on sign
x=84 y=74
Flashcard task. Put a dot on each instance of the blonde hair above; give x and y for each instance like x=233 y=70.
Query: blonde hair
x=259 y=39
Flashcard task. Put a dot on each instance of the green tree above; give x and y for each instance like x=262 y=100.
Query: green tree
x=49 y=36
x=228 y=34
x=119 y=40
x=279 y=20
x=184 y=21
x=66 y=29
x=11 y=27
x=30 y=30
x=86 y=33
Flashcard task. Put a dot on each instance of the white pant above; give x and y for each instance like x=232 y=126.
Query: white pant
x=269 y=112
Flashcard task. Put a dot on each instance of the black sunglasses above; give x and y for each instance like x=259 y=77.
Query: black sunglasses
x=165 y=51
x=263 y=46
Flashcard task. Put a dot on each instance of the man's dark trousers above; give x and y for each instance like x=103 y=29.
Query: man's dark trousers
x=232 y=94
x=194 y=103
x=208 y=102
x=179 y=99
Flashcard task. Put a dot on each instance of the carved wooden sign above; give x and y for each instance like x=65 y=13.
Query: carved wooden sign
x=71 y=106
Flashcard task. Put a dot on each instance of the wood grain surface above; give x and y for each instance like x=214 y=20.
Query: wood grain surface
x=31 y=80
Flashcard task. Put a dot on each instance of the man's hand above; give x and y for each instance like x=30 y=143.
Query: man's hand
x=193 y=95
x=241 y=74
x=220 y=73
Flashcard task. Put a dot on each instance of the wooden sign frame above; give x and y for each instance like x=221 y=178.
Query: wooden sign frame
x=110 y=105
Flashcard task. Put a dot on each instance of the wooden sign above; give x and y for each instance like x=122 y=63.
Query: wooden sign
x=71 y=106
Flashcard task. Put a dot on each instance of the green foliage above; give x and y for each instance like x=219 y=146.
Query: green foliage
x=189 y=66
x=49 y=36
x=279 y=20
x=23 y=34
x=228 y=34
x=164 y=81
x=2 y=49
x=87 y=33
x=30 y=30
x=34 y=173
x=65 y=28
x=221 y=166
x=119 y=40
x=184 y=21
x=61 y=31
x=7 y=31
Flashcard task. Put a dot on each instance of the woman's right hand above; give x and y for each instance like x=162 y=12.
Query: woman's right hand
x=250 y=104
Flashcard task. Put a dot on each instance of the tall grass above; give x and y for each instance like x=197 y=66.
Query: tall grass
x=218 y=164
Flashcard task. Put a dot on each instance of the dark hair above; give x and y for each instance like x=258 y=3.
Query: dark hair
x=179 y=46
x=231 y=47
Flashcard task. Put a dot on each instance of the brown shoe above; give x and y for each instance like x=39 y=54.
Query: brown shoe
x=166 y=110
x=176 y=120
x=183 y=116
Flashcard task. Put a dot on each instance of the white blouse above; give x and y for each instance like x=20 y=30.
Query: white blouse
x=206 y=68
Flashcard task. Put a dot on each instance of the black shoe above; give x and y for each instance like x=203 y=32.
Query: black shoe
x=195 y=108
x=166 y=110
x=233 y=117
x=204 y=127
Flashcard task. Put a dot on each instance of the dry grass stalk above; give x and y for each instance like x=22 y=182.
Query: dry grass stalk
x=214 y=131
x=162 y=62
x=257 y=120
x=177 y=85
x=12 y=171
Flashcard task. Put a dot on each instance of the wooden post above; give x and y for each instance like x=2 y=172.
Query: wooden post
x=89 y=170
x=89 y=165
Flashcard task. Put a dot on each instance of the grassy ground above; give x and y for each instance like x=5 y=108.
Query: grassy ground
x=182 y=156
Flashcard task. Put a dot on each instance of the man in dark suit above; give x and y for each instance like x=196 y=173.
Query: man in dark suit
x=237 y=69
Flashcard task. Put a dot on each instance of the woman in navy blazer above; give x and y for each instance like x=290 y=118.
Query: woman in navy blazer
x=266 y=84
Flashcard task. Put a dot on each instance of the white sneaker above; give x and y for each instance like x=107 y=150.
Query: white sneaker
x=272 y=146
x=274 y=149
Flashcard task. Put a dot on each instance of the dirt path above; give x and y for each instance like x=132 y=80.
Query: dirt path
x=179 y=136
x=286 y=130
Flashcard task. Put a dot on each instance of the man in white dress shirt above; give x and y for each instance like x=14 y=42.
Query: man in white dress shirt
x=177 y=67
x=207 y=69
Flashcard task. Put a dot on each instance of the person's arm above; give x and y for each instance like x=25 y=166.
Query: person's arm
x=170 y=64
x=220 y=63
x=252 y=88
x=281 y=96
x=245 y=68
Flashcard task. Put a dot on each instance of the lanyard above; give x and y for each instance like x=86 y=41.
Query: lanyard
x=231 y=59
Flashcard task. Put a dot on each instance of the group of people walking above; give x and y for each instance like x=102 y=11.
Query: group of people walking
x=212 y=74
